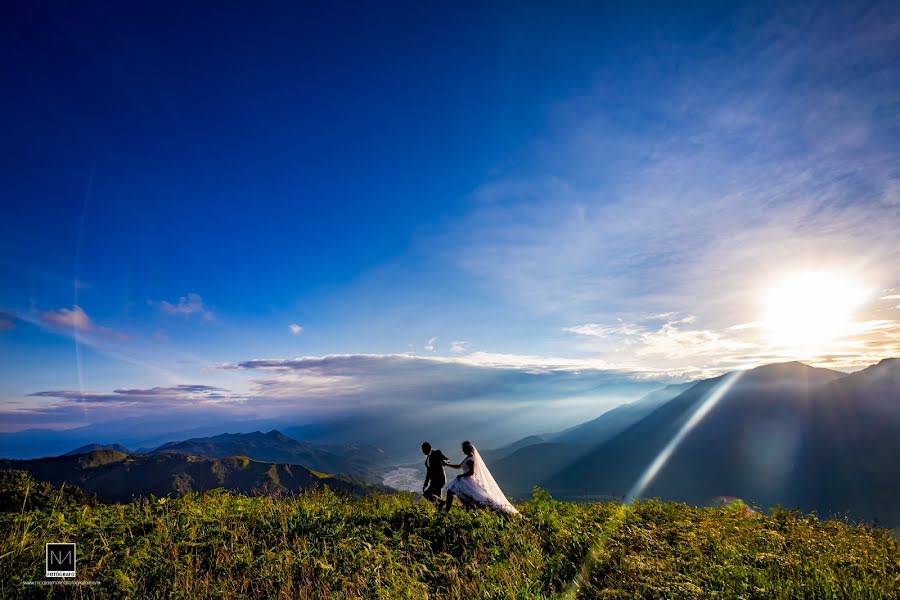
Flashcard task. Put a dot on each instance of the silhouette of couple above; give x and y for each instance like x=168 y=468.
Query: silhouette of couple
x=475 y=487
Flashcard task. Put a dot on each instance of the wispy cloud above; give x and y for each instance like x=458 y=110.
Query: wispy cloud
x=182 y=394
x=189 y=305
x=770 y=158
x=73 y=407
x=77 y=325
x=295 y=329
x=74 y=318
x=669 y=339
x=75 y=321
x=430 y=344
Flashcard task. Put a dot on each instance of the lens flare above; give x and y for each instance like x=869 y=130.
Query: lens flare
x=79 y=366
x=618 y=518
x=614 y=523
x=663 y=457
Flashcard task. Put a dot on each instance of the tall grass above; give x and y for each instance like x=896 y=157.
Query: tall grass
x=320 y=545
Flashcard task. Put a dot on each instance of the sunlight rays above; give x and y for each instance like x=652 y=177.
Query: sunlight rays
x=618 y=518
x=663 y=457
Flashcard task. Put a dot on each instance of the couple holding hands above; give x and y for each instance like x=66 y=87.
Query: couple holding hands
x=475 y=487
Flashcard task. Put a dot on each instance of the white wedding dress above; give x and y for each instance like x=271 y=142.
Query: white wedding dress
x=480 y=488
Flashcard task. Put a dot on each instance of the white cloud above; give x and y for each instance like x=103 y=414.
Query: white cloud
x=295 y=329
x=189 y=305
x=671 y=347
x=429 y=345
x=667 y=340
x=459 y=346
x=604 y=331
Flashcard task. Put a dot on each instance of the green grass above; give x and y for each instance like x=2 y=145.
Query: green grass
x=320 y=545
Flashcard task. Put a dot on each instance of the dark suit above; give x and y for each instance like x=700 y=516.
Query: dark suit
x=434 y=475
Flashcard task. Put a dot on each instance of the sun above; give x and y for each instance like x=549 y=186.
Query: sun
x=809 y=309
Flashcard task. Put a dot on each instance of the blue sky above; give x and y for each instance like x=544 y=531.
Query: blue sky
x=599 y=193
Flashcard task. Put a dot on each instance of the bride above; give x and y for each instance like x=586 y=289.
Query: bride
x=476 y=486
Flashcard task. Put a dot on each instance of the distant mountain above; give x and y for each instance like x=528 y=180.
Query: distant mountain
x=522 y=465
x=120 y=477
x=527 y=467
x=363 y=461
x=94 y=447
x=785 y=434
x=133 y=432
x=504 y=451
x=764 y=408
x=618 y=419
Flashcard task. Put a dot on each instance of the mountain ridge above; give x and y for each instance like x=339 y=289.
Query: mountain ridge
x=274 y=446
x=770 y=439
x=94 y=447
x=120 y=477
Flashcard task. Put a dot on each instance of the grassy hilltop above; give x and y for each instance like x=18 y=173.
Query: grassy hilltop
x=320 y=545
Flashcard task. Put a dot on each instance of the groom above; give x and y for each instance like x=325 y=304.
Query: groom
x=434 y=473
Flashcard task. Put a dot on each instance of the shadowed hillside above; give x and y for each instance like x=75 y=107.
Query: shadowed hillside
x=520 y=466
x=620 y=418
x=783 y=434
x=851 y=454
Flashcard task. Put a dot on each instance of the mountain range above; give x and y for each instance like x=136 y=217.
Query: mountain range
x=120 y=477
x=365 y=461
x=787 y=434
x=547 y=453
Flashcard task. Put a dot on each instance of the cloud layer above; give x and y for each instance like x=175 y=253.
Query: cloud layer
x=183 y=404
x=539 y=391
x=180 y=394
